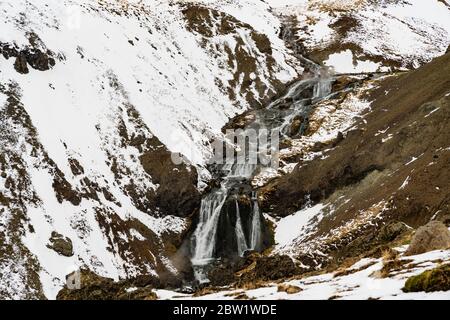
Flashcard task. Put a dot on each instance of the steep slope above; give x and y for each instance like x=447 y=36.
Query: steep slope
x=392 y=165
x=95 y=97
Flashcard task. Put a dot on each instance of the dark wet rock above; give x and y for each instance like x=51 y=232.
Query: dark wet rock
x=437 y=279
x=60 y=244
x=86 y=285
x=226 y=243
x=432 y=236
x=240 y=121
x=297 y=123
x=343 y=82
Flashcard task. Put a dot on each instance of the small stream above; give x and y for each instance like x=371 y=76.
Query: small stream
x=230 y=221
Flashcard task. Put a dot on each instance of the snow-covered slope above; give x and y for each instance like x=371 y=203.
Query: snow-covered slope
x=362 y=280
x=94 y=97
x=368 y=35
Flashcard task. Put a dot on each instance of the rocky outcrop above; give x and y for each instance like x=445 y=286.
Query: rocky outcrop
x=87 y=285
x=61 y=244
x=432 y=236
x=32 y=55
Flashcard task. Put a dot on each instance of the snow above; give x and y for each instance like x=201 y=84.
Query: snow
x=289 y=228
x=431 y=112
x=362 y=284
x=405 y=183
x=3 y=98
x=409 y=32
x=343 y=62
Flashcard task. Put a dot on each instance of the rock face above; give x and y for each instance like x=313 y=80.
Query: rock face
x=61 y=244
x=432 y=236
x=177 y=193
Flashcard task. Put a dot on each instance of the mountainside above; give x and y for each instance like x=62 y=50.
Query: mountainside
x=108 y=109
x=368 y=35
x=94 y=98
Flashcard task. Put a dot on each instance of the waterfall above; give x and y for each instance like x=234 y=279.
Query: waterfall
x=205 y=233
x=235 y=176
x=240 y=236
x=255 y=239
x=322 y=88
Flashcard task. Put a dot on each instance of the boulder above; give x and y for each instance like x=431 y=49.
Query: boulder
x=432 y=236
x=437 y=279
x=391 y=231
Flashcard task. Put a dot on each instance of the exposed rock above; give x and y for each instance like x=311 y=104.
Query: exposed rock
x=444 y=217
x=391 y=231
x=21 y=65
x=269 y=268
x=296 y=125
x=222 y=273
x=90 y=286
x=177 y=193
x=368 y=170
x=203 y=20
x=29 y=55
x=437 y=279
x=432 y=236
x=62 y=245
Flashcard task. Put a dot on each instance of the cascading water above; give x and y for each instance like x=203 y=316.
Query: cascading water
x=255 y=239
x=205 y=232
x=297 y=102
x=240 y=236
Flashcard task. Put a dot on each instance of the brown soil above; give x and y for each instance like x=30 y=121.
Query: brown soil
x=409 y=118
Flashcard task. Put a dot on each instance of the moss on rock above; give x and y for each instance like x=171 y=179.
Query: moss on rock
x=437 y=279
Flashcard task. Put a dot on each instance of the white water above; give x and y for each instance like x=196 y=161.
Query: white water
x=240 y=236
x=205 y=235
x=255 y=239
